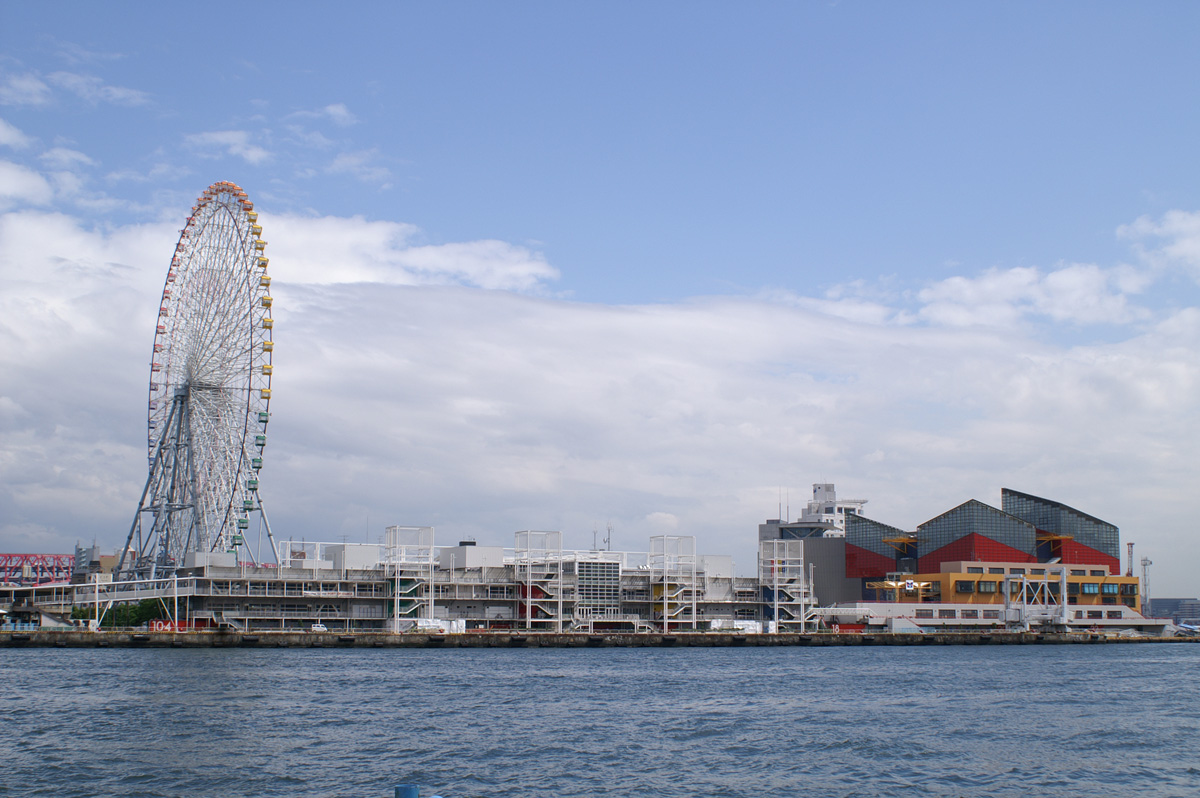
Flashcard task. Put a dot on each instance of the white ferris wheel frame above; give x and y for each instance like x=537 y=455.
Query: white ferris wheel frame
x=210 y=388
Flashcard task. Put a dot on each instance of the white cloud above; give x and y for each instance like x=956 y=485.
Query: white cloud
x=27 y=89
x=162 y=172
x=1074 y=293
x=1180 y=235
x=841 y=303
x=309 y=138
x=76 y=54
x=10 y=136
x=406 y=392
x=231 y=142
x=666 y=523
x=340 y=114
x=361 y=165
x=20 y=185
x=73 y=350
x=93 y=90
x=331 y=250
x=63 y=158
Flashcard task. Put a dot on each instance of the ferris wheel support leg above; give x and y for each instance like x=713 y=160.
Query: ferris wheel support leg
x=270 y=535
x=194 y=482
x=136 y=526
x=134 y=529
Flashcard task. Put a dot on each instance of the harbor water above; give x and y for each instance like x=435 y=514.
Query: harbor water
x=1062 y=720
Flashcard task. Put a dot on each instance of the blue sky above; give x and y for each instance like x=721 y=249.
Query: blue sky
x=924 y=251
x=664 y=152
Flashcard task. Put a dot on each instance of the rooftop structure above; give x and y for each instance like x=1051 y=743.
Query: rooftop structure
x=409 y=582
x=1028 y=529
x=33 y=569
x=826 y=508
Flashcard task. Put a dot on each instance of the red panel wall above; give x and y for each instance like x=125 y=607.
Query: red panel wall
x=970 y=547
x=862 y=563
x=1079 y=554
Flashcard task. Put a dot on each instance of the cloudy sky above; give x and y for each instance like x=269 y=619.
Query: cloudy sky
x=546 y=266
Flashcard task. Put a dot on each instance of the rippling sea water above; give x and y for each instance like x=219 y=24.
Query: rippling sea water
x=864 y=721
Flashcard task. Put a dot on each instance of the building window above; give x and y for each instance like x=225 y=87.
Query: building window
x=964 y=586
x=1108 y=600
x=970 y=613
x=1091 y=589
x=1072 y=588
x=1017 y=571
x=972 y=569
x=924 y=613
x=599 y=585
x=1037 y=571
x=1129 y=590
x=1099 y=573
x=946 y=613
x=991 y=615
x=987 y=587
x=1115 y=614
x=1078 y=613
x=1095 y=614
x=1110 y=588
x=1075 y=572
x=995 y=570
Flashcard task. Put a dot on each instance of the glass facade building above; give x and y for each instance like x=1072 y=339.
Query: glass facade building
x=867 y=555
x=975 y=531
x=1066 y=522
x=1028 y=530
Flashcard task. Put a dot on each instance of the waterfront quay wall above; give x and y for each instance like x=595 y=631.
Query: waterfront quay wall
x=224 y=639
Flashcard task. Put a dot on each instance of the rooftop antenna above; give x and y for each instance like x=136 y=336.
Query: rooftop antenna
x=788 y=517
x=1129 y=560
x=780 y=510
x=594 y=533
x=608 y=537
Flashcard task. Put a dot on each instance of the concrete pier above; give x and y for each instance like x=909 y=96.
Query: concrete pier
x=515 y=639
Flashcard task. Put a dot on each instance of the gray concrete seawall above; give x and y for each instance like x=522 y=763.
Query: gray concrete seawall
x=214 y=639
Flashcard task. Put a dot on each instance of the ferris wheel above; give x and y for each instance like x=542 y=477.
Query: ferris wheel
x=210 y=392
